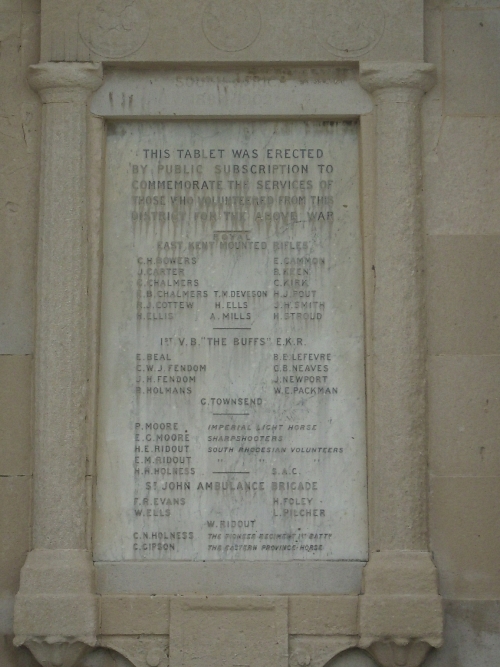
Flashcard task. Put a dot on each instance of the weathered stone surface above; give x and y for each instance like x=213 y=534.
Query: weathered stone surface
x=135 y=615
x=15 y=531
x=466 y=544
x=471 y=635
x=228 y=631
x=464 y=415
x=140 y=651
x=471 y=50
x=325 y=615
x=191 y=93
x=230 y=577
x=316 y=651
x=15 y=408
x=19 y=170
x=463 y=299
x=241 y=241
x=182 y=31
x=461 y=183
x=461 y=194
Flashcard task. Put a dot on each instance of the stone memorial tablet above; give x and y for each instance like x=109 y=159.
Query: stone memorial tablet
x=232 y=389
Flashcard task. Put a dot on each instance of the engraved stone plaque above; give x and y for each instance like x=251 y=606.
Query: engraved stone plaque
x=232 y=390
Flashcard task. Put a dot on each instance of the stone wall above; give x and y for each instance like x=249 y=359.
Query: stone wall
x=461 y=171
x=461 y=119
x=20 y=119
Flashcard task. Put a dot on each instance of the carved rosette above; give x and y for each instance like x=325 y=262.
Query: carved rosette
x=231 y=25
x=114 y=28
x=349 y=28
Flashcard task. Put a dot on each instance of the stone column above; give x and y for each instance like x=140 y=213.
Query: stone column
x=56 y=608
x=400 y=613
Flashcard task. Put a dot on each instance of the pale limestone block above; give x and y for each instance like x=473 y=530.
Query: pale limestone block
x=464 y=519
x=222 y=31
x=391 y=572
x=463 y=297
x=400 y=606
x=472 y=53
x=19 y=129
x=55 y=598
x=471 y=635
x=14 y=528
x=464 y=415
x=461 y=175
x=15 y=410
x=403 y=38
x=226 y=578
x=191 y=93
x=323 y=615
x=134 y=615
x=402 y=617
x=227 y=631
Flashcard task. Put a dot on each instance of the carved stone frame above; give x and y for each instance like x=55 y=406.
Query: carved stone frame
x=399 y=611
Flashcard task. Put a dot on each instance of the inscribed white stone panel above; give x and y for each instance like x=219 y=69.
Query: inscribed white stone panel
x=232 y=396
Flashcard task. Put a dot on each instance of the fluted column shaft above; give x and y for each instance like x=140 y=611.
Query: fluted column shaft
x=399 y=456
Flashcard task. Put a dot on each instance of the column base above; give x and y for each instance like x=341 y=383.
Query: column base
x=56 y=609
x=401 y=613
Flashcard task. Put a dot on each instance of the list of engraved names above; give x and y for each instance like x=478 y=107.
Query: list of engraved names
x=232 y=399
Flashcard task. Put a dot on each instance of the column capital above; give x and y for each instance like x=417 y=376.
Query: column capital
x=380 y=75
x=65 y=82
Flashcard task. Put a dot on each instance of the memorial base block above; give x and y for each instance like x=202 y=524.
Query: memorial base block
x=55 y=604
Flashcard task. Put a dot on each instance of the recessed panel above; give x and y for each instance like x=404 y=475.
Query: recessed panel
x=232 y=394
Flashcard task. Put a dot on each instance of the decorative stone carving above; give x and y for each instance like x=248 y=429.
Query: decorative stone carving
x=57 y=651
x=350 y=28
x=114 y=28
x=317 y=651
x=231 y=25
x=390 y=654
x=56 y=608
x=142 y=651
